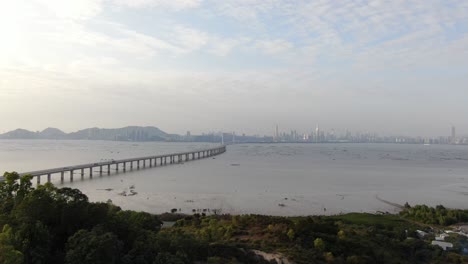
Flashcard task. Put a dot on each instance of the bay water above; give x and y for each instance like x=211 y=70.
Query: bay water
x=274 y=179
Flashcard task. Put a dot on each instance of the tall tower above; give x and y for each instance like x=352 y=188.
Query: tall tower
x=453 y=138
x=276 y=134
x=317 y=134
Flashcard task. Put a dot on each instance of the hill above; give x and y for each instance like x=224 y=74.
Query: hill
x=130 y=133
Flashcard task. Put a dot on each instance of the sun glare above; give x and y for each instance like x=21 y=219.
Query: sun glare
x=15 y=19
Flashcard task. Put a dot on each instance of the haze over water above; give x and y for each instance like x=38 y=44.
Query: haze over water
x=257 y=178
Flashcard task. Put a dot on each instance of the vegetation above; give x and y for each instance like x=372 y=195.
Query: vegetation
x=435 y=216
x=59 y=225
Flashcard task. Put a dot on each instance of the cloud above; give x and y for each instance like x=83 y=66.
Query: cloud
x=273 y=46
x=189 y=38
x=164 y=4
x=232 y=52
x=71 y=9
x=224 y=46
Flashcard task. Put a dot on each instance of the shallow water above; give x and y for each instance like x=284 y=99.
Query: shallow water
x=257 y=178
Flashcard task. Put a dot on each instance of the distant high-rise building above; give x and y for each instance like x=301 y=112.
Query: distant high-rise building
x=317 y=134
x=453 y=138
x=276 y=134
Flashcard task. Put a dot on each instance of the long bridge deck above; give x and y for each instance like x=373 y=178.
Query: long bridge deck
x=117 y=165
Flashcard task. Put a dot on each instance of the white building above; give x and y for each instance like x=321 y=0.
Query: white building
x=443 y=245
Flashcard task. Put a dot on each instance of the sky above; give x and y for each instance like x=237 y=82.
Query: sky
x=392 y=67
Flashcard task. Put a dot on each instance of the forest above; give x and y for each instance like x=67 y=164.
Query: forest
x=46 y=224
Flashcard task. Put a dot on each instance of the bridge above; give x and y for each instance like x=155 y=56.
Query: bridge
x=124 y=164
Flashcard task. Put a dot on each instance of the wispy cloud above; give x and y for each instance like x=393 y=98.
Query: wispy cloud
x=222 y=52
x=171 y=4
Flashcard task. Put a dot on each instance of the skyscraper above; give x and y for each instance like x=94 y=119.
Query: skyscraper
x=453 y=138
x=276 y=134
x=317 y=134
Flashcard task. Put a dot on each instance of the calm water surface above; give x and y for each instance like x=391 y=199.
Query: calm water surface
x=257 y=178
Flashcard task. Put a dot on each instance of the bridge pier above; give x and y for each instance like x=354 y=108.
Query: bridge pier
x=38 y=179
x=91 y=172
x=82 y=173
x=71 y=175
x=108 y=169
x=62 y=176
x=125 y=166
x=100 y=170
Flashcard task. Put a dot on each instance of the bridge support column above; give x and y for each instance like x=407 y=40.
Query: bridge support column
x=100 y=170
x=38 y=179
x=91 y=172
x=49 y=177
x=108 y=169
x=131 y=165
x=117 y=167
x=82 y=173
x=71 y=175
x=125 y=166
x=138 y=164
x=62 y=176
x=144 y=163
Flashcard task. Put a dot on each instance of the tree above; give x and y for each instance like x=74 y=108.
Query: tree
x=8 y=254
x=319 y=244
x=34 y=240
x=341 y=235
x=91 y=247
x=167 y=258
x=291 y=234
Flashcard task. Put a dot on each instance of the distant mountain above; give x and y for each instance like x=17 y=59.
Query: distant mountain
x=52 y=133
x=130 y=133
x=20 y=134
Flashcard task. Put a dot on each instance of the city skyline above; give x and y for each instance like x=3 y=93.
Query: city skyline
x=317 y=135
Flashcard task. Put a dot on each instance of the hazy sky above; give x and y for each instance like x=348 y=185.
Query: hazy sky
x=393 y=66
